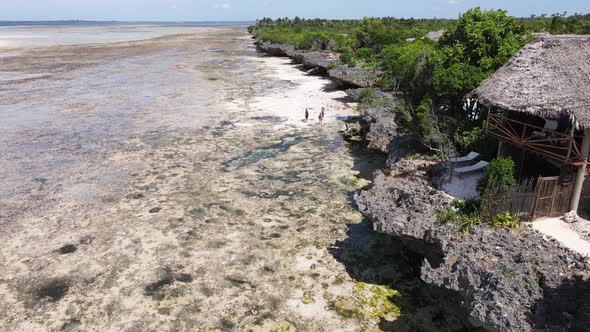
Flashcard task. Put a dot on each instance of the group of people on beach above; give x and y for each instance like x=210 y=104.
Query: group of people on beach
x=320 y=117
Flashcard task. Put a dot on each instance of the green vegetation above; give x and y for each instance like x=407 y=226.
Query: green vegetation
x=465 y=215
x=369 y=302
x=431 y=77
x=557 y=24
x=497 y=182
x=462 y=214
x=500 y=172
x=505 y=220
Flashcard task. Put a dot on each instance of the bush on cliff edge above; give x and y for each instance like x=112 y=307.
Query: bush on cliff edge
x=498 y=174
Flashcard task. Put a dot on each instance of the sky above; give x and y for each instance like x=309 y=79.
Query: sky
x=249 y=10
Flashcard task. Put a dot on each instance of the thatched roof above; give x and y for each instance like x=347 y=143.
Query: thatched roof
x=549 y=77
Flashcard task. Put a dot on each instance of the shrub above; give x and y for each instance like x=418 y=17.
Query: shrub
x=313 y=41
x=505 y=220
x=403 y=115
x=499 y=174
x=463 y=214
x=447 y=215
x=346 y=57
x=466 y=214
x=364 y=53
x=408 y=66
x=475 y=139
x=470 y=139
x=366 y=95
x=424 y=119
x=469 y=206
x=466 y=221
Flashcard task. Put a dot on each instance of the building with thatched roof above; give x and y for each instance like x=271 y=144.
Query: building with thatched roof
x=539 y=104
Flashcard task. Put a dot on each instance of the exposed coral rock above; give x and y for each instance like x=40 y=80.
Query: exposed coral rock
x=403 y=204
x=275 y=49
x=379 y=126
x=327 y=61
x=355 y=76
x=507 y=278
x=352 y=131
x=323 y=60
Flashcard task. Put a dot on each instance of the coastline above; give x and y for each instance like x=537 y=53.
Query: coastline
x=172 y=183
x=496 y=272
x=194 y=195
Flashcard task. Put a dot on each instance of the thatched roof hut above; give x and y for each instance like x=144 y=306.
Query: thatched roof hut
x=549 y=77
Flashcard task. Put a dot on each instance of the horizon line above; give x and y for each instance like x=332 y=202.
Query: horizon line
x=125 y=21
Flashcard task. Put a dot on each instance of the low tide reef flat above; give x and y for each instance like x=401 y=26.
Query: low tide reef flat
x=117 y=210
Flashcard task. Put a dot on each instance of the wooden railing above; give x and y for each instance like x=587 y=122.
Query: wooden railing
x=552 y=144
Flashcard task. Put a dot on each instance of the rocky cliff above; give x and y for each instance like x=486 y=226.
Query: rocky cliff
x=378 y=125
x=509 y=279
x=354 y=76
x=325 y=62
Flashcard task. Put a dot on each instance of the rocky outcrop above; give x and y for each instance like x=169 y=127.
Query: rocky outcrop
x=509 y=279
x=380 y=129
x=310 y=60
x=276 y=49
x=352 y=130
x=326 y=62
x=377 y=117
x=322 y=60
x=355 y=76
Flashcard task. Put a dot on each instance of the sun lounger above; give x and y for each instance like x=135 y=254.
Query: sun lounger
x=473 y=168
x=471 y=156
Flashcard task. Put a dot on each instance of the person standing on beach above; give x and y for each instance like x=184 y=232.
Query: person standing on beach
x=321 y=117
x=306 y=115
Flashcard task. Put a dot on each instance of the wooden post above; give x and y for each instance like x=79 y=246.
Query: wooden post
x=521 y=163
x=579 y=184
x=487 y=121
x=500 y=143
x=571 y=144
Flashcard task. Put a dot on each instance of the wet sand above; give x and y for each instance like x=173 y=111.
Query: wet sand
x=171 y=184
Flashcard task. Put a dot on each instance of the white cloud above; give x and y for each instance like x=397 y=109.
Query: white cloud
x=453 y=2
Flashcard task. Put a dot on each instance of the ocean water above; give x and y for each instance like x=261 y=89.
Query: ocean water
x=27 y=34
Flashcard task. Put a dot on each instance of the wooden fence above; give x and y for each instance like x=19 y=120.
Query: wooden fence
x=535 y=198
x=553 y=197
